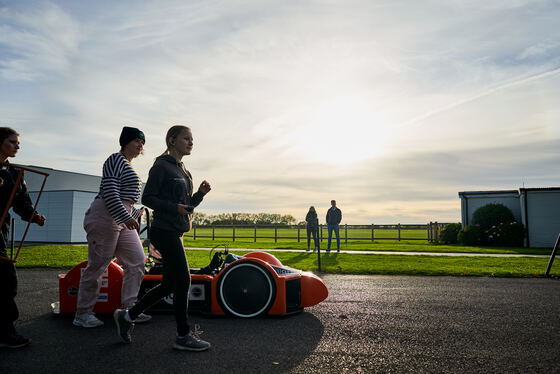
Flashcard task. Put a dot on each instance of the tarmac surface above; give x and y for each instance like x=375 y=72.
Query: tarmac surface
x=368 y=324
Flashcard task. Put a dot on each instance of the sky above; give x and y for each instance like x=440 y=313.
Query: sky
x=389 y=107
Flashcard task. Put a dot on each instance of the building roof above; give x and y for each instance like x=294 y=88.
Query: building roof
x=502 y=192
x=540 y=189
x=507 y=192
x=61 y=180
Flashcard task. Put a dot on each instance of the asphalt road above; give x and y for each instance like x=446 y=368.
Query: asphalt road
x=368 y=324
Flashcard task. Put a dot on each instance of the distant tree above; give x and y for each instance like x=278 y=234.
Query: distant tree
x=199 y=219
x=244 y=219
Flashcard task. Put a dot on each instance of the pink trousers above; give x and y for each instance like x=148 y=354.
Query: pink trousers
x=106 y=239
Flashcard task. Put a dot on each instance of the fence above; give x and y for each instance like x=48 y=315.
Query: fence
x=428 y=232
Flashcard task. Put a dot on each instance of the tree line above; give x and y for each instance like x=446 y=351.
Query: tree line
x=201 y=219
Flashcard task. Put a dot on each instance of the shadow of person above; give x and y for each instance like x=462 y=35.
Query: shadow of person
x=263 y=344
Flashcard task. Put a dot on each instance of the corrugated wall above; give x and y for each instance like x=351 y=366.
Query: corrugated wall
x=543 y=217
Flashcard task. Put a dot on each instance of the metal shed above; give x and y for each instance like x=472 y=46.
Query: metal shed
x=65 y=199
x=536 y=208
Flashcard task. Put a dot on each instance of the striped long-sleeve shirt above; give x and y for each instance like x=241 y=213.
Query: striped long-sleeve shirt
x=119 y=182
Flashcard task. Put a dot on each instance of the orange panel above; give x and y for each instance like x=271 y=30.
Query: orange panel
x=279 y=305
x=215 y=306
x=313 y=290
x=267 y=257
x=109 y=297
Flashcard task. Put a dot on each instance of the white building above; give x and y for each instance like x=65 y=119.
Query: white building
x=536 y=208
x=64 y=201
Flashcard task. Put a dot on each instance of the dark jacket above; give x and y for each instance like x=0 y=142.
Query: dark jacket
x=312 y=220
x=334 y=216
x=21 y=204
x=169 y=184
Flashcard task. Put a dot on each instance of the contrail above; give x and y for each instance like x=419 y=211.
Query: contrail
x=488 y=92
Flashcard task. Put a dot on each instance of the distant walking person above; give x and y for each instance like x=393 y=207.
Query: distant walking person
x=22 y=206
x=312 y=228
x=169 y=192
x=111 y=224
x=334 y=216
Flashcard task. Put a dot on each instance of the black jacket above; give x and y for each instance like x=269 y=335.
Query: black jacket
x=169 y=184
x=311 y=219
x=21 y=204
x=334 y=217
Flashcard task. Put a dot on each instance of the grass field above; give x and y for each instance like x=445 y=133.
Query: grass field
x=66 y=256
x=363 y=245
x=293 y=233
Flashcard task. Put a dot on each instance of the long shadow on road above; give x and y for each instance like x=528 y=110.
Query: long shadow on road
x=239 y=346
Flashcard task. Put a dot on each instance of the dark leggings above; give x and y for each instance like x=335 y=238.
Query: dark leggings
x=8 y=290
x=176 y=278
x=312 y=231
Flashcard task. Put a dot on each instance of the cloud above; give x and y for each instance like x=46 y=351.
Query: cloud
x=39 y=40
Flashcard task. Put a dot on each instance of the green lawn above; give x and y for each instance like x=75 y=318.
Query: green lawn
x=363 y=245
x=245 y=233
x=66 y=256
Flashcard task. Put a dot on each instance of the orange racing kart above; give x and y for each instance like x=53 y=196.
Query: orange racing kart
x=243 y=286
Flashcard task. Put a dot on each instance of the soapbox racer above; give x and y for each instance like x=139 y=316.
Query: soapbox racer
x=243 y=286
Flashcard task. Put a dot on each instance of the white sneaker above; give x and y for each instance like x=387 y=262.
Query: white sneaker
x=142 y=318
x=87 y=320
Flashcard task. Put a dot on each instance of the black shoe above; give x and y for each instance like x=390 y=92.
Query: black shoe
x=190 y=343
x=124 y=327
x=14 y=341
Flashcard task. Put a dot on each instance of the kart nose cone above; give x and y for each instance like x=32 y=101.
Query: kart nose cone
x=313 y=290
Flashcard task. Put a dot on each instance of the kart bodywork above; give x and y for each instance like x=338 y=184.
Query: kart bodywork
x=247 y=286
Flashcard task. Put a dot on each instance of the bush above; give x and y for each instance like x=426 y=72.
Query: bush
x=506 y=234
x=471 y=235
x=448 y=234
x=498 y=226
x=492 y=215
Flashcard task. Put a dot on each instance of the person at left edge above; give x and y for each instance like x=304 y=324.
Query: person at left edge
x=111 y=223
x=21 y=205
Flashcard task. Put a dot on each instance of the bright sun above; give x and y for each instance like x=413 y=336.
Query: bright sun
x=343 y=130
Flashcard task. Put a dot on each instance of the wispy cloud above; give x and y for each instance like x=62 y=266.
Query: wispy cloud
x=36 y=41
x=510 y=83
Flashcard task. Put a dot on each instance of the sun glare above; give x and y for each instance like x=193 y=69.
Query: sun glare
x=343 y=130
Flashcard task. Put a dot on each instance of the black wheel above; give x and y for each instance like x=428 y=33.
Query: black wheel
x=246 y=290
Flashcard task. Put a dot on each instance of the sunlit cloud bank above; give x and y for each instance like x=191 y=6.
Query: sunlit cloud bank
x=390 y=108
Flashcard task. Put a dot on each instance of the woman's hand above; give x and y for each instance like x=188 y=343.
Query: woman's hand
x=38 y=219
x=204 y=187
x=132 y=224
x=183 y=209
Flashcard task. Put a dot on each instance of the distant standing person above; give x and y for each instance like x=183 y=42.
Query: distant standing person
x=312 y=228
x=111 y=223
x=334 y=216
x=22 y=206
x=169 y=192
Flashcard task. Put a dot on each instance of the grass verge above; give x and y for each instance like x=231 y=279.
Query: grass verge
x=66 y=256
x=356 y=245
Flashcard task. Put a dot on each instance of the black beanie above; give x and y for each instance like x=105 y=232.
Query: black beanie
x=128 y=134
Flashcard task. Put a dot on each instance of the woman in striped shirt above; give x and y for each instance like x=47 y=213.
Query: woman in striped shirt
x=111 y=223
